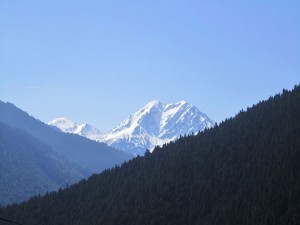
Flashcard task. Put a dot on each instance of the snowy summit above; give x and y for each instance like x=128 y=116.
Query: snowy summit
x=154 y=124
x=84 y=129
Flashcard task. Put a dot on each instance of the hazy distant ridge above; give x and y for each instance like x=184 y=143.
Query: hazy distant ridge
x=91 y=155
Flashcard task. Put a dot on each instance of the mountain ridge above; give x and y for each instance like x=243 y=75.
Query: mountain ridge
x=83 y=129
x=91 y=155
x=154 y=124
x=30 y=167
x=245 y=170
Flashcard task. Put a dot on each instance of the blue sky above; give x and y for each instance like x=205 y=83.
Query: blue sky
x=99 y=61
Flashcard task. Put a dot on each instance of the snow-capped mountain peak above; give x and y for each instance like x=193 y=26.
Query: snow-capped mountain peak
x=154 y=124
x=68 y=126
x=64 y=124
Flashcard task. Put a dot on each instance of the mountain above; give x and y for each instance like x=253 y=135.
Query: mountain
x=245 y=170
x=84 y=129
x=91 y=155
x=30 y=167
x=155 y=124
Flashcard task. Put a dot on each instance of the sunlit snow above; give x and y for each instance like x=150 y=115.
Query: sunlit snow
x=154 y=124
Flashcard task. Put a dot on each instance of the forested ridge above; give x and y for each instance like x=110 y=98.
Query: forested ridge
x=29 y=167
x=245 y=170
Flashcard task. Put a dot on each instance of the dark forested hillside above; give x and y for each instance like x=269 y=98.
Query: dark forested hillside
x=29 y=167
x=244 y=171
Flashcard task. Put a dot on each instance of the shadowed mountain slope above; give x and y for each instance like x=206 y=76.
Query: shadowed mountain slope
x=86 y=153
x=29 y=167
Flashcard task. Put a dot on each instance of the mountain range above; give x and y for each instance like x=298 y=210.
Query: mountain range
x=154 y=124
x=92 y=155
x=44 y=158
x=35 y=158
x=245 y=170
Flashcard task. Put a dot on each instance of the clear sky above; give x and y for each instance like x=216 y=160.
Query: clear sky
x=98 y=61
